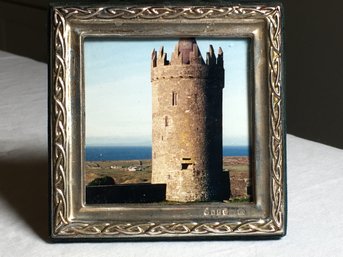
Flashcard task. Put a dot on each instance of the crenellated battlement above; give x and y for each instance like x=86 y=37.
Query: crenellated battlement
x=187 y=62
x=187 y=53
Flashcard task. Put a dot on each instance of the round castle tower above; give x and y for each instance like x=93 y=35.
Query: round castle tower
x=187 y=123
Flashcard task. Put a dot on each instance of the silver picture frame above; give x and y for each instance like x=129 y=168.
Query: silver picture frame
x=71 y=219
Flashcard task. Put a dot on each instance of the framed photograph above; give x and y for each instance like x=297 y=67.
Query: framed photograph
x=167 y=122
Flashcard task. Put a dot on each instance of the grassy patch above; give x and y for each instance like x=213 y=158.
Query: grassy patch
x=239 y=200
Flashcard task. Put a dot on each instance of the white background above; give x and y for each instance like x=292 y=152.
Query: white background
x=315 y=178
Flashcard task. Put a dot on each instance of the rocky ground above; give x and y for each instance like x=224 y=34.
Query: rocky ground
x=136 y=171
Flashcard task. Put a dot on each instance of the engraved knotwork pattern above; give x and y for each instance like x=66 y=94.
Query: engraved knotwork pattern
x=59 y=156
x=168 y=12
x=108 y=229
x=274 y=68
x=59 y=122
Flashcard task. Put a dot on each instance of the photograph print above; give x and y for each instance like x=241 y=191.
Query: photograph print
x=167 y=121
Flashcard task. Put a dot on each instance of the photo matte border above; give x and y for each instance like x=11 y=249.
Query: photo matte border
x=71 y=219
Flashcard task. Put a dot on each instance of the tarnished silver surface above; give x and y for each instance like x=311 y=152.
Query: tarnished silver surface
x=71 y=217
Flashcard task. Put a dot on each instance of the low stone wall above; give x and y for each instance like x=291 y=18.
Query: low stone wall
x=240 y=185
x=125 y=193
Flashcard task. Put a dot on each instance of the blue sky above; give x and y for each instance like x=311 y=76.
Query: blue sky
x=118 y=90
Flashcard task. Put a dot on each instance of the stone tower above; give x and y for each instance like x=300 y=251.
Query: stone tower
x=187 y=123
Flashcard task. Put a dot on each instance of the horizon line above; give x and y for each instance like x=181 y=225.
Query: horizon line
x=146 y=145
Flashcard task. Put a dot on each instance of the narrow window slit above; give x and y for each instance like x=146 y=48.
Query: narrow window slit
x=174 y=98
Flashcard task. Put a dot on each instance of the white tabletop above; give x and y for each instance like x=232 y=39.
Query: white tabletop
x=315 y=179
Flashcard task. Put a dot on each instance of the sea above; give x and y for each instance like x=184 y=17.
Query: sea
x=112 y=153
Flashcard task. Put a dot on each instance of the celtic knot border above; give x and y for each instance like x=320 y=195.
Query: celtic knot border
x=61 y=224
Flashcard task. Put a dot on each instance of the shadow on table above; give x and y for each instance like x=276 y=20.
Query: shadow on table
x=24 y=185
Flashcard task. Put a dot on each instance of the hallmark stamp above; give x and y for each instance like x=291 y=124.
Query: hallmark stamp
x=216 y=211
x=224 y=211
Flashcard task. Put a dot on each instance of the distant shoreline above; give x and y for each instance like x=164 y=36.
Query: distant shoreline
x=137 y=146
x=109 y=153
x=149 y=160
